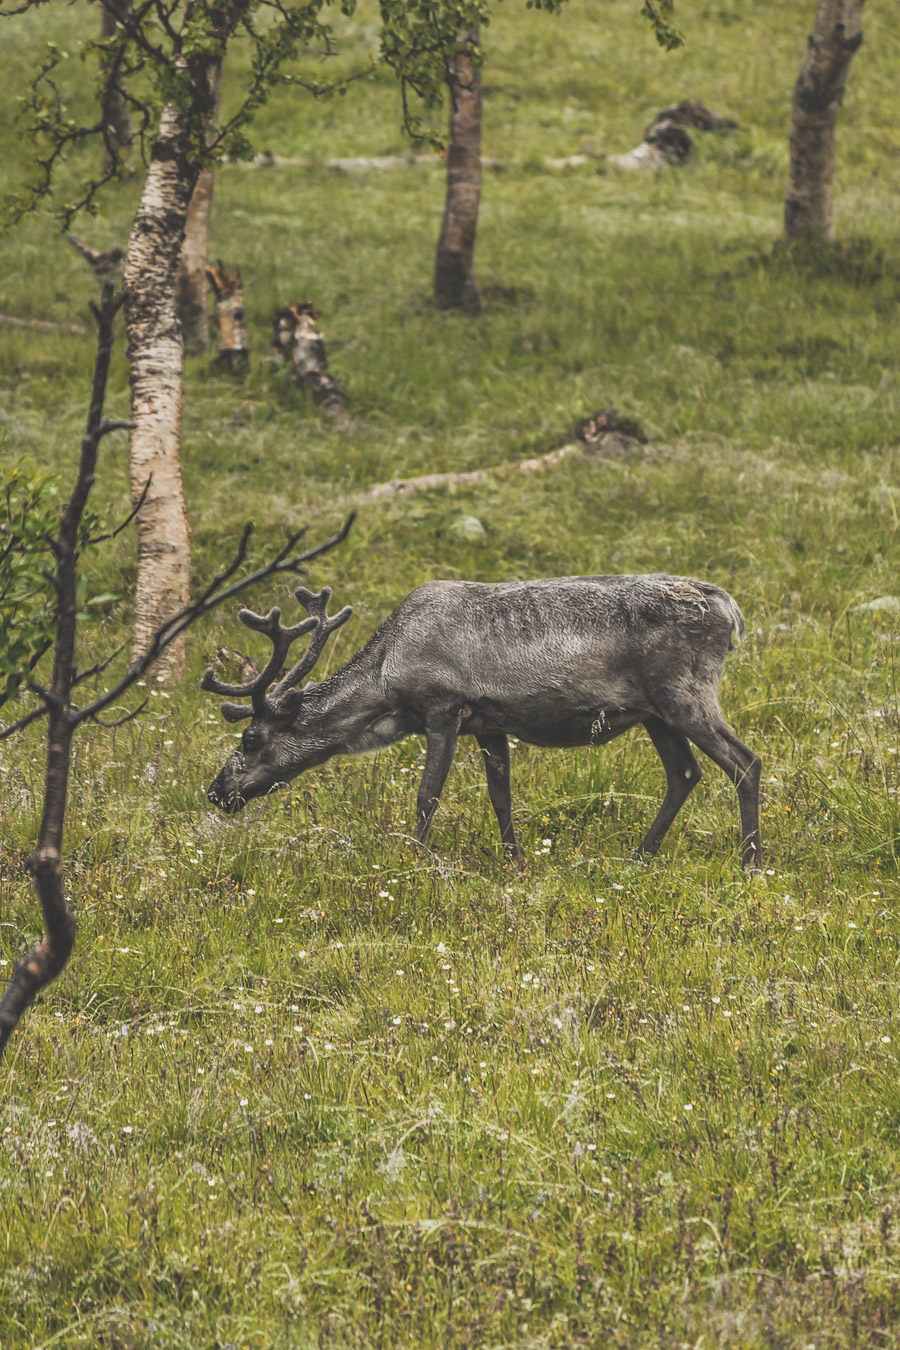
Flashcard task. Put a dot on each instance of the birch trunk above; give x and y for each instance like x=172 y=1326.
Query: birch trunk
x=454 y=269
x=808 y=205
x=191 y=287
x=155 y=352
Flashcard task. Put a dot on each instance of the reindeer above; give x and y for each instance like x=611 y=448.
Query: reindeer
x=562 y=662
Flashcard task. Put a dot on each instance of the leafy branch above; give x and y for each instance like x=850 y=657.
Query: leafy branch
x=167 y=50
x=659 y=14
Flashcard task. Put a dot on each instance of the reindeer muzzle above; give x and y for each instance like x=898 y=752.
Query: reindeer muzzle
x=229 y=802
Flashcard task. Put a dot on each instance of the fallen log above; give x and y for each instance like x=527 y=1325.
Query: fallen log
x=406 y=487
x=605 y=435
x=15 y=322
x=666 y=143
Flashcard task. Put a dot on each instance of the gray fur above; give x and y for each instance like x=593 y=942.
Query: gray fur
x=560 y=662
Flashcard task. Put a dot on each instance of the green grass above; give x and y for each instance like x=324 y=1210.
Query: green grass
x=298 y=1089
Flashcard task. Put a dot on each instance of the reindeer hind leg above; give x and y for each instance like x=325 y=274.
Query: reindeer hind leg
x=682 y=776
x=716 y=739
x=496 y=766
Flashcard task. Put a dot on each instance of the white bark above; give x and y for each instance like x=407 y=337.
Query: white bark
x=155 y=351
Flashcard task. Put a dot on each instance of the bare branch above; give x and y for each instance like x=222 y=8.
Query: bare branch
x=211 y=598
x=23 y=722
x=106 y=427
x=101 y=538
x=120 y=721
x=21 y=9
x=48 y=699
x=48 y=958
x=99 y=668
x=33 y=660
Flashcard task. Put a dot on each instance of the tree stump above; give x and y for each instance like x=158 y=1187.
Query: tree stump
x=234 y=346
x=297 y=337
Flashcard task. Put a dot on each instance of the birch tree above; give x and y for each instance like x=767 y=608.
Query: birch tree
x=191 y=289
x=174 y=48
x=818 y=94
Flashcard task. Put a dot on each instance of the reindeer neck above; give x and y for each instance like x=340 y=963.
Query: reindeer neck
x=352 y=706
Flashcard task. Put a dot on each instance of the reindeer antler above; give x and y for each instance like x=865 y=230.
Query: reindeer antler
x=323 y=626
x=281 y=639
x=320 y=624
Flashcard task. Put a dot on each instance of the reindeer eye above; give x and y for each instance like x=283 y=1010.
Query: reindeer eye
x=251 y=739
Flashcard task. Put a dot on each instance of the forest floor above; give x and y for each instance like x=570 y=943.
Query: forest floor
x=300 y=1089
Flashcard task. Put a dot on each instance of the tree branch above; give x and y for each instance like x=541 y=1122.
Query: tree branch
x=23 y=722
x=99 y=668
x=120 y=721
x=112 y=534
x=48 y=959
x=209 y=600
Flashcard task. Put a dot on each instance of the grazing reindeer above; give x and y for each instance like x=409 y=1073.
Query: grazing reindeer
x=563 y=662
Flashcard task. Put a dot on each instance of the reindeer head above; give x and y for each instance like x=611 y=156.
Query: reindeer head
x=276 y=746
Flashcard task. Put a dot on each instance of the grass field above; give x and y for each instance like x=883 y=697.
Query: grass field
x=297 y=1089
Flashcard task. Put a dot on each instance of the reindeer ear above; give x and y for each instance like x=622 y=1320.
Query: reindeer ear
x=310 y=686
x=291 y=701
x=236 y=712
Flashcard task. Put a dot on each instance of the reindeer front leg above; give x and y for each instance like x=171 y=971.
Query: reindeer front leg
x=441 y=733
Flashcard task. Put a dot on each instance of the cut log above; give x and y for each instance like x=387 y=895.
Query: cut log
x=297 y=337
x=234 y=346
